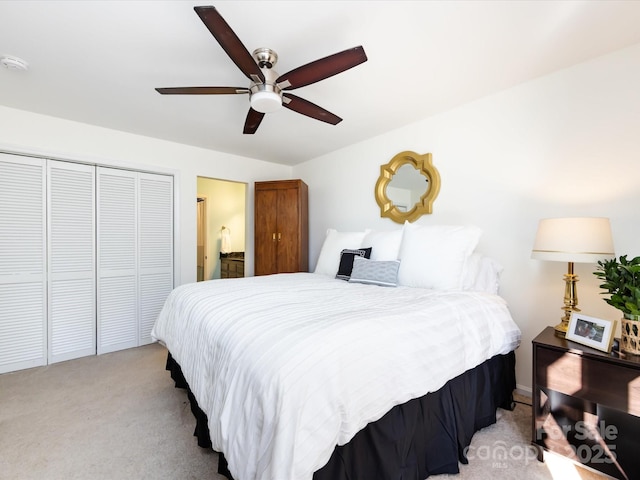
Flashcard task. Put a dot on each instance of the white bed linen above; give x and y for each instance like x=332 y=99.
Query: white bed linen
x=288 y=366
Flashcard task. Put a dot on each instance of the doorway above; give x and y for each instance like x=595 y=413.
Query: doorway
x=221 y=223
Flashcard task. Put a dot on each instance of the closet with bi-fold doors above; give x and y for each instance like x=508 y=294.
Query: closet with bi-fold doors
x=86 y=258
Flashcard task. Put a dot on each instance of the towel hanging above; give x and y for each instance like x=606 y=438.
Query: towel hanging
x=225 y=240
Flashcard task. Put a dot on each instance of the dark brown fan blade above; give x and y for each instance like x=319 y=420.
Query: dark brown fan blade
x=229 y=41
x=202 y=90
x=252 y=122
x=324 y=68
x=305 y=107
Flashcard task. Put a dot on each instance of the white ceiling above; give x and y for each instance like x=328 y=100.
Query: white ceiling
x=98 y=62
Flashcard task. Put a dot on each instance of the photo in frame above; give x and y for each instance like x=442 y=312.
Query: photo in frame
x=590 y=331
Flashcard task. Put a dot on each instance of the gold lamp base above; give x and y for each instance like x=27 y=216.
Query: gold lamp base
x=570 y=301
x=561 y=329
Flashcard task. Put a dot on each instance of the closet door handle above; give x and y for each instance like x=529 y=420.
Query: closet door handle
x=274 y=236
x=279 y=236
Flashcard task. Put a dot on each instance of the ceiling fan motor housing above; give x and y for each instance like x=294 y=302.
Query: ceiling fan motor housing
x=265 y=57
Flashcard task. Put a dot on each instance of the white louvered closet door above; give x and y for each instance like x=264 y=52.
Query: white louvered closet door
x=71 y=260
x=155 y=242
x=117 y=325
x=22 y=263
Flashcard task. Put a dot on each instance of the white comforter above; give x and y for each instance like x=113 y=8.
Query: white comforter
x=288 y=366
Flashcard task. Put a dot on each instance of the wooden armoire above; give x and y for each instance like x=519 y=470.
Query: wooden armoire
x=281 y=227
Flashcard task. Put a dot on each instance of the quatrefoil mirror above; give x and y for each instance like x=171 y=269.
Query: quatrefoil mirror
x=407 y=187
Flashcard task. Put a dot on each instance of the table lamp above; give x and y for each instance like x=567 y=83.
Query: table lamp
x=578 y=239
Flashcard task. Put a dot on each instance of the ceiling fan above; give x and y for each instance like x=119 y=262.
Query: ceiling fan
x=268 y=91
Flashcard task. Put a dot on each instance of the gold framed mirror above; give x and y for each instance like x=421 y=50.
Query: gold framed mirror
x=407 y=187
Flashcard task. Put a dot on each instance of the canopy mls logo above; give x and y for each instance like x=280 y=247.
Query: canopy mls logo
x=598 y=446
x=500 y=452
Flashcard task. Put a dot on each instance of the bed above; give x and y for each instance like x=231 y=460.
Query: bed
x=306 y=376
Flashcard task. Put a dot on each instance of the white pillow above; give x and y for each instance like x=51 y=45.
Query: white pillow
x=487 y=275
x=434 y=256
x=470 y=271
x=385 y=245
x=334 y=243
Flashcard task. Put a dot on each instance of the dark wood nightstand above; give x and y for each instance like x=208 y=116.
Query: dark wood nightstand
x=586 y=405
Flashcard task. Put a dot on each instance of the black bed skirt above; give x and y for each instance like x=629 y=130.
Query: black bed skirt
x=425 y=436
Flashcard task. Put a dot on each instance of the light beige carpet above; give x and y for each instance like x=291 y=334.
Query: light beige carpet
x=118 y=416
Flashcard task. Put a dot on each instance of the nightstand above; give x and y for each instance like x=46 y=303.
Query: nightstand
x=232 y=265
x=586 y=405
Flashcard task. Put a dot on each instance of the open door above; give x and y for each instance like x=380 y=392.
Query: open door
x=202 y=238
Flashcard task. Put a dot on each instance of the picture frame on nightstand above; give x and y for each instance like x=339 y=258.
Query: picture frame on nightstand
x=591 y=331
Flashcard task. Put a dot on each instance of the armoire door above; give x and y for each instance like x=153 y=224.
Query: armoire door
x=265 y=213
x=287 y=226
x=23 y=327
x=71 y=260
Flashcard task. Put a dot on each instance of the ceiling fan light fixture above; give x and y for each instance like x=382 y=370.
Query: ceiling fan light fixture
x=265 y=101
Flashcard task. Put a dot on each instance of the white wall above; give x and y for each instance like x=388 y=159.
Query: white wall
x=26 y=132
x=567 y=144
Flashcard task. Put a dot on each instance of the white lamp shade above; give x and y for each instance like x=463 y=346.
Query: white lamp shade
x=580 y=240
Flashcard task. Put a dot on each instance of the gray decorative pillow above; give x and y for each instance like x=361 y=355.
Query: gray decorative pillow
x=383 y=273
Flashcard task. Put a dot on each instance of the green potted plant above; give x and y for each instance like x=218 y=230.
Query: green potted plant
x=621 y=281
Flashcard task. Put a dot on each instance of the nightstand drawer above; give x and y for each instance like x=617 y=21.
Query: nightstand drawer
x=235 y=267
x=231 y=267
x=590 y=379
